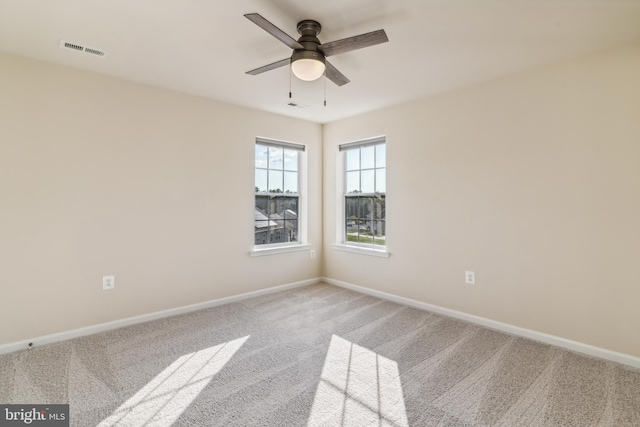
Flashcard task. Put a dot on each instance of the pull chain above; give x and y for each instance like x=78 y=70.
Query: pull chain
x=290 y=82
x=325 y=90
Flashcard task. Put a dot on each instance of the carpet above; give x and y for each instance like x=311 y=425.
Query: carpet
x=319 y=355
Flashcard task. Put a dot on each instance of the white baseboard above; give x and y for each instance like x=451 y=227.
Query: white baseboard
x=67 y=335
x=579 y=347
x=590 y=350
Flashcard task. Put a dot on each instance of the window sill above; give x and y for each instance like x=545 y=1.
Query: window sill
x=361 y=250
x=278 y=250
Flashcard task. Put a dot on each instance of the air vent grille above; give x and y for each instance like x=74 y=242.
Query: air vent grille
x=94 y=51
x=73 y=46
x=81 y=48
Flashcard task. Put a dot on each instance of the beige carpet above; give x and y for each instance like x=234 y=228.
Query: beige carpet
x=321 y=356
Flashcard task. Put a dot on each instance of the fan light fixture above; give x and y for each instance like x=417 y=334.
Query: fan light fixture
x=307 y=65
x=308 y=59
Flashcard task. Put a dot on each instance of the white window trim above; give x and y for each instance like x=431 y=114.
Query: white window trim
x=278 y=248
x=302 y=243
x=383 y=253
x=340 y=244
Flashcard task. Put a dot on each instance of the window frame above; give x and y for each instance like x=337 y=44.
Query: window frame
x=301 y=228
x=343 y=195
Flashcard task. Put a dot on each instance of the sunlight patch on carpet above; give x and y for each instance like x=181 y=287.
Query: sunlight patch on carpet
x=358 y=387
x=164 y=398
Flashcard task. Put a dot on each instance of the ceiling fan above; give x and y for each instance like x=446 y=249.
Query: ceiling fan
x=308 y=58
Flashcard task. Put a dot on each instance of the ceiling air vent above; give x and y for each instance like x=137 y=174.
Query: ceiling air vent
x=80 y=48
x=94 y=51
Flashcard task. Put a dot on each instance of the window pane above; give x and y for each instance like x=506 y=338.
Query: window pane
x=275 y=181
x=276 y=234
x=261 y=220
x=381 y=180
x=365 y=207
x=364 y=224
x=352 y=235
x=261 y=156
x=353 y=159
x=351 y=210
x=285 y=207
x=366 y=157
x=262 y=203
x=284 y=219
x=261 y=180
x=377 y=229
x=291 y=215
x=367 y=184
x=290 y=160
x=364 y=219
x=351 y=219
x=275 y=158
x=291 y=182
x=365 y=238
x=291 y=211
x=379 y=237
x=379 y=223
x=381 y=156
x=291 y=230
x=379 y=209
x=353 y=182
x=275 y=222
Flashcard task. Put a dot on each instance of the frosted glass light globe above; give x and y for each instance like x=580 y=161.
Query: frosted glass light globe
x=308 y=69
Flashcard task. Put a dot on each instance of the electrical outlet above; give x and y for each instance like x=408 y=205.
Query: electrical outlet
x=312 y=253
x=108 y=282
x=469 y=277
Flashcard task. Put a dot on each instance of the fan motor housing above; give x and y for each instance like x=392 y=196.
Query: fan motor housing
x=309 y=27
x=309 y=31
x=307 y=54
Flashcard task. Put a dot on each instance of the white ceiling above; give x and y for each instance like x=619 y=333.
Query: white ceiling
x=204 y=47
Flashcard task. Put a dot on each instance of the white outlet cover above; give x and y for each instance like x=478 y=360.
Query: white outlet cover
x=108 y=282
x=469 y=277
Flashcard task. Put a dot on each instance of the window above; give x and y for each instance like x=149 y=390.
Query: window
x=364 y=193
x=277 y=193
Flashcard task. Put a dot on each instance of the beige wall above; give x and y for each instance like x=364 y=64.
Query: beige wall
x=531 y=181
x=101 y=176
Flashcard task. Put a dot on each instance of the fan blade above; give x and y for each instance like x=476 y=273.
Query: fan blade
x=334 y=75
x=273 y=30
x=352 y=43
x=269 y=67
